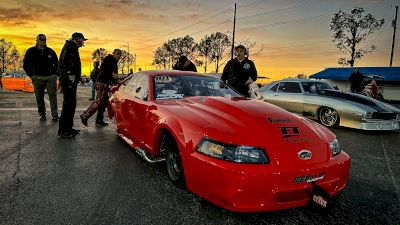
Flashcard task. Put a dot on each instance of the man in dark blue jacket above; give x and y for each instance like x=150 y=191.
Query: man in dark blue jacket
x=41 y=65
x=70 y=75
x=240 y=71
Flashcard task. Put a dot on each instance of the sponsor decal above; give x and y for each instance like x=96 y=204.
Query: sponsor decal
x=297 y=140
x=246 y=66
x=163 y=79
x=279 y=120
x=169 y=96
x=304 y=154
x=288 y=132
x=309 y=178
x=169 y=92
x=320 y=200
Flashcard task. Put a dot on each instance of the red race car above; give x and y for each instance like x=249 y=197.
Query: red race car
x=241 y=154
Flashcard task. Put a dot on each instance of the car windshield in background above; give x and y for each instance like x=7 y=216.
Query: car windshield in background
x=314 y=87
x=177 y=87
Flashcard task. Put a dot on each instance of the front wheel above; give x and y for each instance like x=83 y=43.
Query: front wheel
x=328 y=117
x=174 y=160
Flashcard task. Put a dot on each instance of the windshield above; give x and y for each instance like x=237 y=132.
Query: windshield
x=178 y=86
x=314 y=87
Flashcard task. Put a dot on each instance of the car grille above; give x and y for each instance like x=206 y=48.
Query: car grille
x=384 y=116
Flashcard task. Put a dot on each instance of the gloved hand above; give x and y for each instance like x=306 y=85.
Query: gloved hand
x=249 y=81
x=72 y=78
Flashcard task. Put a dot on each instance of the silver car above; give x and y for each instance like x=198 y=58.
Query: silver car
x=318 y=100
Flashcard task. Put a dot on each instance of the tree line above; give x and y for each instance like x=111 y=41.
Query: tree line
x=349 y=30
x=212 y=49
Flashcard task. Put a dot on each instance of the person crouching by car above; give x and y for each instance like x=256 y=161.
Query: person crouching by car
x=240 y=71
x=184 y=64
x=108 y=75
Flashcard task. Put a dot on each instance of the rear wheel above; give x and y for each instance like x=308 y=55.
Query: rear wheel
x=174 y=160
x=328 y=117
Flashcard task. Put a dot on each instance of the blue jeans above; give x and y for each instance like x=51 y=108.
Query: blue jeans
x=93 y=90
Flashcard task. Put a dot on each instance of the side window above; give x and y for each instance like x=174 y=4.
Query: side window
x=289 y=87
x=130 y=85
x=274 y=88
x=141 y=90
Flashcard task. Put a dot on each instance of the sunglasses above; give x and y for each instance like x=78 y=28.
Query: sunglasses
x=42 y=39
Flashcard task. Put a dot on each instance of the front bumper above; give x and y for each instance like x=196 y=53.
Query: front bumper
x=380 y=125
x=251 y=188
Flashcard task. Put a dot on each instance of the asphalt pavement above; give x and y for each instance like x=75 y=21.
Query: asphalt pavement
x=96 y=178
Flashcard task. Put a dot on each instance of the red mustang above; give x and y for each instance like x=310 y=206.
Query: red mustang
x=239 y=153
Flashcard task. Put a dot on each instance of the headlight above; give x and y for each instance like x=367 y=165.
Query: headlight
x=234 y=153
x=368 y=115
x=335 y=147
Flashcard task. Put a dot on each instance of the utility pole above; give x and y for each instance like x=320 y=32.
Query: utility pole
x=394 y=24
x=128 y=57
x=233 y=33
x=134 y=65
x=3 y=56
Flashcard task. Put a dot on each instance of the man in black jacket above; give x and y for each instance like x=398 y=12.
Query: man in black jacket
x=240 y=71
x=356 y=78
x=184 y=64
x=41 y=65
x=108 y=75
x=70 y=75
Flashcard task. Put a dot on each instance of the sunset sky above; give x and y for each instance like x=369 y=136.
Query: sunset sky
x=294 y=34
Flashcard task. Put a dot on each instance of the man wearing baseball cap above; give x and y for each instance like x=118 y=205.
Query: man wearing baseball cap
x=70 y=75
x=41 y=65
x=240 y=71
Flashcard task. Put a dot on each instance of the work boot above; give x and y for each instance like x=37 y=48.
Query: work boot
x=84 y=121
x=42 y=117
x=75 y=131
x=66 y=135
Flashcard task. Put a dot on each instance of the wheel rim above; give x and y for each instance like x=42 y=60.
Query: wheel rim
x=174 y=161
x=328 y=117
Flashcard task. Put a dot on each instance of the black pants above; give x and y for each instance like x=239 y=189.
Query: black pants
x=68 y=109
x=40 y=84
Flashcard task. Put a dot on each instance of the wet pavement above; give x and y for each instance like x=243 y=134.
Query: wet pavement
x=96 y=178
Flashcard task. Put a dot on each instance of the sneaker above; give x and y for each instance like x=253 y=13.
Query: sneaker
x=55 y=118
x=66 y=135
x=75 y=131
x=101 y=124
x=84 y=121
x=43 y=117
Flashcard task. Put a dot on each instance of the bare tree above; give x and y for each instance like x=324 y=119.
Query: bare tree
x=204 y=50
x=250 y=46
x=169 y=52
x=9 y=55
x=220 y=44
x=350 y=29
x=99 y=54
x=125 y=59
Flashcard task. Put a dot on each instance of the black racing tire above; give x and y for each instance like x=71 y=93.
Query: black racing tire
x=328 y=117
x=174 y=160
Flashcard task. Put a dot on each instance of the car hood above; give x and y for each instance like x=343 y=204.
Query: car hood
x=360 y=100
x=250 y=122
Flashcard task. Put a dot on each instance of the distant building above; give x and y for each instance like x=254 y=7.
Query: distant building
x=339 y=77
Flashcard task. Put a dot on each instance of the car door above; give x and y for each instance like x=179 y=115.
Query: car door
x=136 y=111
x=289 y=96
